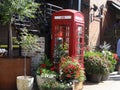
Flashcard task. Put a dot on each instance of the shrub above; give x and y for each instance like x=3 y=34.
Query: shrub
x=95 y=63
x=70 y=69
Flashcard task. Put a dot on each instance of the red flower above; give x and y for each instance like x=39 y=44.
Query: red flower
x=68 y=76
x=52 y=69
x=70 y=68
x=115 y=56
x=43 y=65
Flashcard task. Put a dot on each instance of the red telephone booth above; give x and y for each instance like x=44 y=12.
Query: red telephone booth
x=68 y=28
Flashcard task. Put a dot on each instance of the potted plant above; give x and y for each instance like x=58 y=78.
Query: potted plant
x=22 y=8
x=45 y=72
x=108 y=55
x=55 y=85
x=71 y=71
x=95 y=65
x=8 y=9
x=29 y=43
x=47 y=77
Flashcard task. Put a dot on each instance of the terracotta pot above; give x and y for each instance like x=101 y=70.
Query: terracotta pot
x=25 y=82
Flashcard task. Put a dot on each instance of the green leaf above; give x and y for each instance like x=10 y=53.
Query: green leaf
x=20 y=7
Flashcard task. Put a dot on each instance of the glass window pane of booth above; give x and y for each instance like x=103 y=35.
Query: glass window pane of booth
x=61 y=40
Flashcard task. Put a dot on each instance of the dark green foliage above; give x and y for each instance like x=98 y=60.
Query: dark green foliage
x=22 y=8
x=54 y=85
x=10 y=8
x=95 y=63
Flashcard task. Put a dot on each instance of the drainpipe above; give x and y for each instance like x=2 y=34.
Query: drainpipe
x=71 y=4
x=79 y=5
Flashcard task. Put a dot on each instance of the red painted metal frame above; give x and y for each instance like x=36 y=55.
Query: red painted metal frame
x=72 y=19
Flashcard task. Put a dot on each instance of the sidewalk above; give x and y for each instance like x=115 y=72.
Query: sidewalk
x=113 y=83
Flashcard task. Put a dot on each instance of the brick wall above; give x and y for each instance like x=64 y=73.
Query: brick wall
x=95 y=23
x=85 y=10
x=100 y=30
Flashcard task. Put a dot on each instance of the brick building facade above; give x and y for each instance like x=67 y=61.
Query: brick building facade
x=102 y=22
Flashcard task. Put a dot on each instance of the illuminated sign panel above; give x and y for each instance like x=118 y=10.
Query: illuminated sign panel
x=63 y=17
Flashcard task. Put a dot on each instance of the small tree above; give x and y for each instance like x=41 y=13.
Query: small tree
x=22 y=8
x=29 y=44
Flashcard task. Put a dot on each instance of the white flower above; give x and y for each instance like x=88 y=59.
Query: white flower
x=103 y=52
x=109 y=53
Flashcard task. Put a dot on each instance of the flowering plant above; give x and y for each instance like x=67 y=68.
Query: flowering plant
x=70 y=69
x=108 y=55
x=95 y=63
x=54 y=85
x=46 y=68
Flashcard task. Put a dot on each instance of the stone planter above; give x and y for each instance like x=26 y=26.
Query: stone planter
x=25 y=82
x=77 y=85
x=41 y=80
x=57 y=89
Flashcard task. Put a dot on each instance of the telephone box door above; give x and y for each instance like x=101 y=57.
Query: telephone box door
x=61 y=40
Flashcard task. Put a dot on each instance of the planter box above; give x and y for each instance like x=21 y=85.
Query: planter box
x=10 y=68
